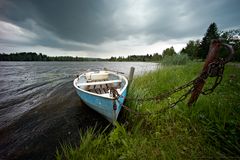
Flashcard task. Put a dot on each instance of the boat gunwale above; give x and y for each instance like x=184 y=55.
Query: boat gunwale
x=99 y=95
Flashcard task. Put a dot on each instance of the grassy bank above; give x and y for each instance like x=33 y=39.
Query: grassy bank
x=210 y=129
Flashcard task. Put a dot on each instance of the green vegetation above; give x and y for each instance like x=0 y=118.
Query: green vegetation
x=142 y=58
x=175 y=59
x=32 y=56
x=199 y=49
x=169 y=52
x=209 y=129
x=191 y=49
x=194 y=49
x=212 y=33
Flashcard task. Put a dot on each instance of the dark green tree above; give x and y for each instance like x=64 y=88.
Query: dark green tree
x=191 y=49
x=231 y=37
x=212 y=33
x=237 y=51
x=157 y=57
x=169 y=52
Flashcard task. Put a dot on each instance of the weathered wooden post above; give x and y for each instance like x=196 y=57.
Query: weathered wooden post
x=130 y=77
x=213 y=54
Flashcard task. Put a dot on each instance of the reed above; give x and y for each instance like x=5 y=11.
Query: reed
x=178 y=59
x=209 y=129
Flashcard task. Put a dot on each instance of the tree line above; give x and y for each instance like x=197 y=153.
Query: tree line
x=199 y=49
x=146 y=58
x=195 y=49
x=142 y=58
x=32 y=56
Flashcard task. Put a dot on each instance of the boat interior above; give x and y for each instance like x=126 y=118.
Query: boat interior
x=101 y=82
x=102 y=88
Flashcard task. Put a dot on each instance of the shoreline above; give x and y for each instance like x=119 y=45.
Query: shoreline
x=182 y=132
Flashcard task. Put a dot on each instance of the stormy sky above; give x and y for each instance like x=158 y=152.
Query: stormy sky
x=105 y=28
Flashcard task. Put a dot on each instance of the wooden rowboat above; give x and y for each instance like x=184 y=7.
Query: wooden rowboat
x=95 y=90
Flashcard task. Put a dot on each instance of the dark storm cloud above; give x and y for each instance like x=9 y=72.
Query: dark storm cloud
x=83 y=24
x=82 y=21
x=177 y=19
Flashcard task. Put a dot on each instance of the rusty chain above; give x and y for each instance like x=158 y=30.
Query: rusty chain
x=213 y=67
x=216 y=69
x=156 y=98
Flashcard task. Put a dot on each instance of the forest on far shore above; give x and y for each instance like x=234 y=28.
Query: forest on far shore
x=32 y=56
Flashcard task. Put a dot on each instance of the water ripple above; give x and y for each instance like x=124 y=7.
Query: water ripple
x=39 y=107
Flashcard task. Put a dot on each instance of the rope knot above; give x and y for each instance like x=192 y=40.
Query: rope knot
x=114 y=92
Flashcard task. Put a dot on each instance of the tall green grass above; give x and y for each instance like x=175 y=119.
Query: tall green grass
x=209 y=129
x=175 y=60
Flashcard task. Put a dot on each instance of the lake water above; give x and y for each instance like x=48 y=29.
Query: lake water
x=39 y=108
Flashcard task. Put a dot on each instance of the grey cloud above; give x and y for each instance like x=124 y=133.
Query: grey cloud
x=83 y=21
x=178 y=19
x=72 y=24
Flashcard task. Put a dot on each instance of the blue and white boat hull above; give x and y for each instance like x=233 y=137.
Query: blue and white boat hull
x=105 y=104
x=102 y=105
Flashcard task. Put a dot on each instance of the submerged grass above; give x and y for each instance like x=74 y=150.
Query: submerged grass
x=209 y=129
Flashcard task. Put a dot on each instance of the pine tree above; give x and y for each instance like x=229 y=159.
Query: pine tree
x=212 y=33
